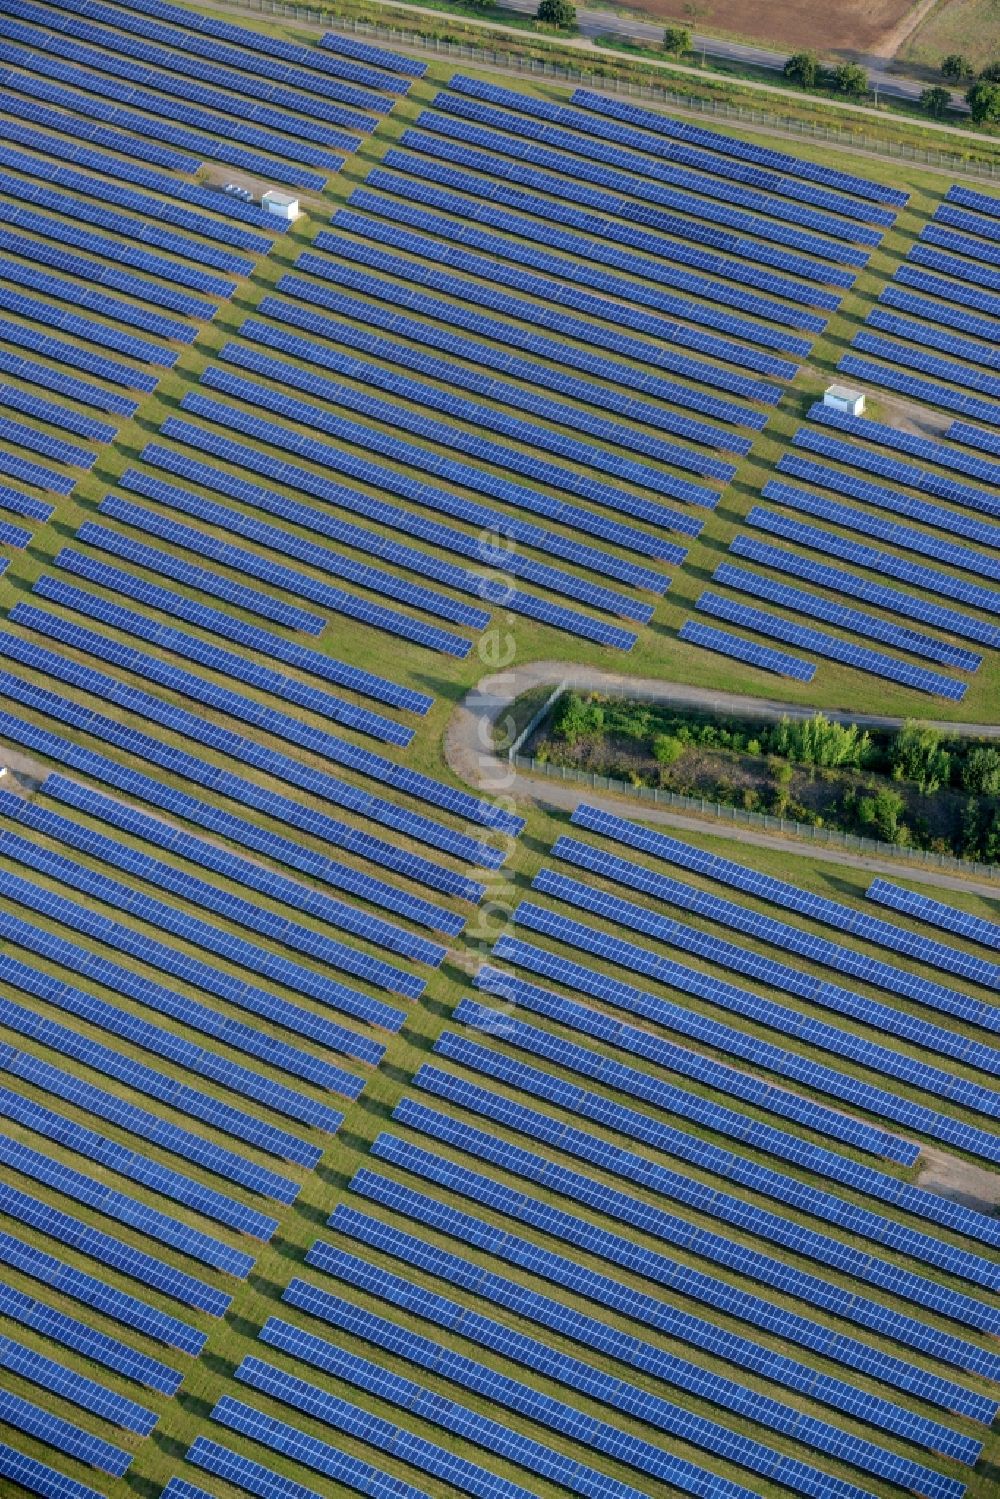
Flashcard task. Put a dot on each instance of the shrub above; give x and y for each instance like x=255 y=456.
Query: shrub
x=803 y=68
x=575 y=717
x=981 y=771
x=881 y=813
x=849 y=78
x=916 y=755
x=820 y=741
x=667 y=749
x=983 y=100
x=936 y=101
x=957 y=67
x=676 y=40
x=557 y=13
x=991 y=73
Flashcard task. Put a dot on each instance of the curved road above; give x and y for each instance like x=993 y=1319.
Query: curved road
x=469 y=752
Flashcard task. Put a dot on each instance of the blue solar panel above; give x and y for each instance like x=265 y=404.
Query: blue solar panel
x=829 y=912
x=928 y=364
x=90 y=1099
x=81 y=425
x=491 y=354
x=573 y=1372
x=987 y=442
x=777 y=628
x=954 y=265
x=378 y=57
x=143 y=1079
x=653 y=1267
x=82 y=359
x=91 y=275
x=22 y=504
x=870 y=626
x=182 y=35
x=161 y=1179
x=167 y=564
x=423 y=181
x=202 y=934
x=785 y=183
x=38 y=1478
x=887 y=467
x=244 y=872
x=918 y=332
x=905 y=538
x=748 y=1005
x=290 y=580
x=939 y=312
x=962 y=244
x=265 y=643
x=936 y=913
x=726 y=644
x=727 y=145
x=948 y=290
x=110 y=1352
x=937 y=453
x=329 y=830
x=595 y=1287
x=835 y=580
x=719 y=1075
x=578 y=156
x=78 y=1389
x=922 y=390
x=720 y=1119
x=255 y=673
x=457 y=377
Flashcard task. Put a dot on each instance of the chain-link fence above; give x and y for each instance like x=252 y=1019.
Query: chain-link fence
x=833 y=135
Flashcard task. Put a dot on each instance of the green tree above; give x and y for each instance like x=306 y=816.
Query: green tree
x=575 y=717
x=819 y=741
x=916 y=755
x=936 y=101
x=677 y=40
x=981 y=771
x=991 y=73
x=803 y=68
x=667 y=749
x=851 y=79
x=557 y=13
x=957 y=67
x=880 y=814
x=983 y=100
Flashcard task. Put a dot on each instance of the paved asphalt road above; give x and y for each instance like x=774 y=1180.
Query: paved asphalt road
x=601 y=22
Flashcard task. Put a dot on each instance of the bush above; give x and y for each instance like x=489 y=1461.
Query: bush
x=991 y=73
x=936 y=101
x=667 y=749
x=957 y=67
x=983 y=100
x=676 y=40
x=575 y=717
x=880 y=814
x=819 y=741
x=849 y=78
x=556 y=13
x=803 y=68
x=981 y=771
x=916 y=755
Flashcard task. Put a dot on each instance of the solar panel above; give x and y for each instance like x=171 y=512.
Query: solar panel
x=535 y=1353
x=877 y=1100
x=653 y=1266
x=920 y=447
x=726 y=644
x=85 y=1340
x=935 y=913
x=38 y=1478
x=922 y=390
x=987 y=442
x=78 y=1389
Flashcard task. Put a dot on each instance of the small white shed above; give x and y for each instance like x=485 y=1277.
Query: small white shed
x=841 y=398
x=281 y=205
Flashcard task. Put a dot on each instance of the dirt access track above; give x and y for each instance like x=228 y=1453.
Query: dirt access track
x=855 y=28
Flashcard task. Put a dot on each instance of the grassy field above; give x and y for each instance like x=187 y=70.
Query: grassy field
x=971 y=27
x=658 y=653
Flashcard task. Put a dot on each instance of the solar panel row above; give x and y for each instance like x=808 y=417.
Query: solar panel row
x=76 y=1388
x=784 y=183
x=244 y=872
x=835 y=580
x=637 y=1171
x=785 y=1104
x=716 y=1116
x=935 y=913
x=38 y=1478
x=330 y=831
x=76 y=422
x=641 y=1309
x=416 y=186
x=736 y=646
x=938 y=453
x=927 y=391
x=939 y=312
x=226 y=663
x=847 y=1087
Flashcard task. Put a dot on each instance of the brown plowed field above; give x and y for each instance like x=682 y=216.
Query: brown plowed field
x=853 y=26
